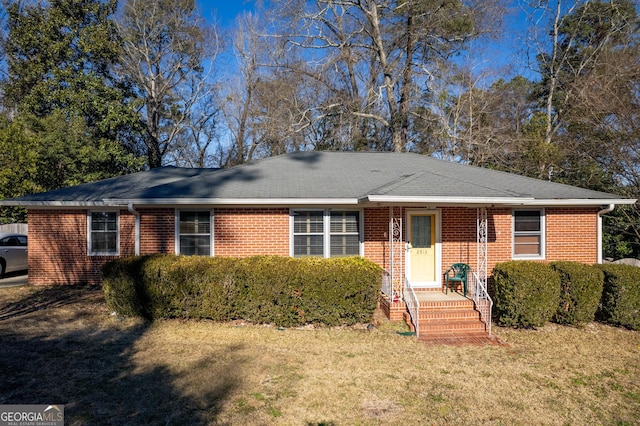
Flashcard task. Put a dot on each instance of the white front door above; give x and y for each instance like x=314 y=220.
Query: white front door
x=423 y=248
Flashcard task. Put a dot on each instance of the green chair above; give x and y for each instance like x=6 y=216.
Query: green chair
x=457 y=273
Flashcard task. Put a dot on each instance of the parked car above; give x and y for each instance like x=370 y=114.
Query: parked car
x=13 y=253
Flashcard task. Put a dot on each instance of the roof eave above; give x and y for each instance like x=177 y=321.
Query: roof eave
x=237 y=201
x=59 y=204
x=440 y=200
x=582 y=202
x=370 y=199
x=494 y=201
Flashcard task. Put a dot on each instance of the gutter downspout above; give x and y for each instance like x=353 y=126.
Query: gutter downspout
x=604 y=211
x=135 y=213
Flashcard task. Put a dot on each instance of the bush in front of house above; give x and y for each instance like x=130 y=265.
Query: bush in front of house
x=120 y=280
x=620 y=303
x=341 y=290
x=267 y=290
x=262 y=289
x=580 y=292
x=187 y=287
x=291 y=292
x=165 y=286
x=526 y=294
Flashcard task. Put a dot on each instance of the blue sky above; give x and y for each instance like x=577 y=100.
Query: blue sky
x=506 y=51
x=225 y=11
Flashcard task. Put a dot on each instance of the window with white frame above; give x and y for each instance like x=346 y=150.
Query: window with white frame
x=325 y=233
x=345 y=233
x=194 y=233
x=528 y=233
x=308 y=233
x=103 y=233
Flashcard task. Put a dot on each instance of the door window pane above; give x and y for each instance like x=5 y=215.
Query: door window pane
x=421 y=231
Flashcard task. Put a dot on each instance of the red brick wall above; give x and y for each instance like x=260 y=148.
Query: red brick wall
x=58 y=238
x=458 y=236
x=241 y=232
x=58 y=247
x=157 y=231
x=571 y=234
x=499 y=236
x=376 y=236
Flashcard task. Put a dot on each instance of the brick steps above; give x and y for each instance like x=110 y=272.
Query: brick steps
x=453 y=321
x=444 y=304
x=443 y=315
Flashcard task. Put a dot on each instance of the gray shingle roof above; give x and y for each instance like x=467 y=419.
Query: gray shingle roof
x=323 y=178
x=96 y=192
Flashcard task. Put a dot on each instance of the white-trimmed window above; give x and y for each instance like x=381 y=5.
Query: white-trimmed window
x=102 y=232
x=345 y=233
x=528 y=234
x=308 y=233
x=325 y=233
x=193 y=232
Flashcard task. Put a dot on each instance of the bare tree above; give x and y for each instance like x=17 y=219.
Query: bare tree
x=199 y=135
x=266 y=108
x=167 y=58
x=239 y=96
x=575 y=36
x=375 y=58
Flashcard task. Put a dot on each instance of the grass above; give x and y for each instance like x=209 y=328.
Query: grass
x=61 y=345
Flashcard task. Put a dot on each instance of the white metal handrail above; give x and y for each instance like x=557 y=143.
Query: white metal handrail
x=387 y=284
x=413 y=306
x=481 y=298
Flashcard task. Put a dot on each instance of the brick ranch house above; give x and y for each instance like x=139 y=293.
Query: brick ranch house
x=413 y=215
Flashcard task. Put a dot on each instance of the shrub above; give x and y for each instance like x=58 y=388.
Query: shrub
x=343 y=290
x=267 y=291
x=188 y=287
x=620 y=303
x=580 y=292
x=262 y=289
x=526 y=294
x=120 y=284
x=291 y=292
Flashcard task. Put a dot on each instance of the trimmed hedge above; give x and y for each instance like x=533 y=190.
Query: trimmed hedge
x=527 y=294
x=620 y=303
x=262 y=289
x=580 y=292
x=119 y=286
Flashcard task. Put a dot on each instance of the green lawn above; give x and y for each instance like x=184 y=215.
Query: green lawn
x=62 y=346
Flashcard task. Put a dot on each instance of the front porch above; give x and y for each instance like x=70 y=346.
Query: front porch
x=431 y=311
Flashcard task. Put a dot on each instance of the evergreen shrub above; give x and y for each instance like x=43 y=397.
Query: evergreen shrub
x=261 y=289
x=580 y=292
x=526 y=293
x=620 y=303
x=120 y=280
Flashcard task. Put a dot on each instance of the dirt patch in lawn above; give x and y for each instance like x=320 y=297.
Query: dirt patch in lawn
x=61 y=345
